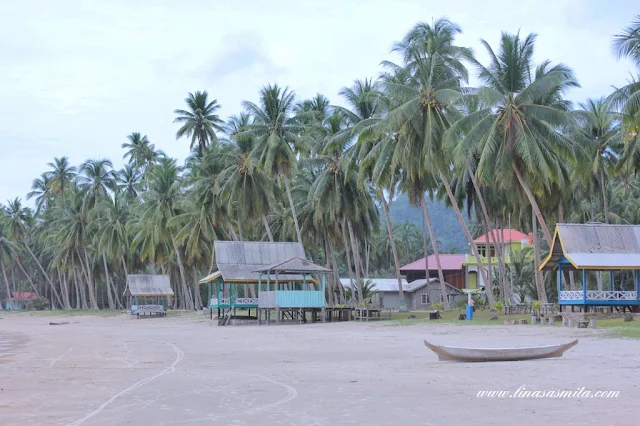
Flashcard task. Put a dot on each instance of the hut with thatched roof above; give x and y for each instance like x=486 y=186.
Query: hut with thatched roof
x=148 y=294
x=606 y=259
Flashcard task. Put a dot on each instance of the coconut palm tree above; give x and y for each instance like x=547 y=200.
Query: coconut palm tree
x=41 y=191
x=140 y=152
x=598 y=134
x=277 y=137
x=160 y=205
x=8 y=252
x=200 y=122
x=96 y=179
x=517 y=135
x=128 y=180
x=110 y=218
x=19 y=220
x=626 y=99
x=62 y=176
x=423 y=96
x=70 y=230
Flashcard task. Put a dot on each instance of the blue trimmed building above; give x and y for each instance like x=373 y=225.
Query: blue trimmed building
x=596 y=265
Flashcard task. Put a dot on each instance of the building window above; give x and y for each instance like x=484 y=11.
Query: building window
x=424 y=298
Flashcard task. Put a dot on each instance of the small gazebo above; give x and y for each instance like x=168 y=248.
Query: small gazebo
x=148 y=294
x=300 y=296
x=604 y=256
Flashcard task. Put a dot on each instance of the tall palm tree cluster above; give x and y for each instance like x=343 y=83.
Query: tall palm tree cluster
x=513 y=150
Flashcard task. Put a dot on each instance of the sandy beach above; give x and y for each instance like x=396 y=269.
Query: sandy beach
x=181 y=370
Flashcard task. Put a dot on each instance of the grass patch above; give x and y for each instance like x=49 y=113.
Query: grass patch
x=451 y=317
x=614 y=327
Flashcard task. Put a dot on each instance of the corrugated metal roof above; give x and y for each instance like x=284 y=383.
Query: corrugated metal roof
x=237 y=260
x=506 y=236
x=449 y=262
x=595 y=246
x=148 y=285
x=210 y=277
x=293 y=265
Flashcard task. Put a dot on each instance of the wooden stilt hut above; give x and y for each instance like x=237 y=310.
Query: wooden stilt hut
x=243 y=268
x=147 y=294
x=605 y=262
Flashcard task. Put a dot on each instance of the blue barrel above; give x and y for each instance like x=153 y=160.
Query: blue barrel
x=469 y=313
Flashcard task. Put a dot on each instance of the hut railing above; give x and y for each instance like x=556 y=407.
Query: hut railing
x=599 y=295
x=239 y=301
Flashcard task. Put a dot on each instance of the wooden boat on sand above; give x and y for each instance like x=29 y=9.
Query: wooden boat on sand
x=449 y=353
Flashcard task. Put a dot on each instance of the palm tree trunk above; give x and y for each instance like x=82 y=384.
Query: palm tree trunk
x=92 y=294
x=356 y=261
x=265 y=222
x=33 y=286
x=64 y=286
x=124 y=268
x=196 y=290
x=488 y=231
x=605 y=203
x=188 y=303
x=336 y=274
x=232 y=233
x=112 y=305
x=46 y=276
x=425 y=243
x=534 y=204
x=436 y=253
x=542 y=295
x=465 y=228
x=293 y=207
x=82 y=297
x=327 y=255
x=6 y=280
x=394 y=250
x=346 y=249
x=508 y=284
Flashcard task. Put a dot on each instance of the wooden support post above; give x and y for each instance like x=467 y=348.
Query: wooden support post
x=584 y=286
x=559 y=280
x=610 y=280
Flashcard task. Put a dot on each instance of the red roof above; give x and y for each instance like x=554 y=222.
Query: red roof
x=23 y=295
x=449 y=262
x=507 y=235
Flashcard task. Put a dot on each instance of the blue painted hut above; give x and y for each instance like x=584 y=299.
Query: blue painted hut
x=263 y=277
x=596 y=265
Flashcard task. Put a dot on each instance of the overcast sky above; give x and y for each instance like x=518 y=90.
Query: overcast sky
x=76 y=77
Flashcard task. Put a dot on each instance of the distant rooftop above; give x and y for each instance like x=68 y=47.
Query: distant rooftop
x=506 y=235
x=449 y=262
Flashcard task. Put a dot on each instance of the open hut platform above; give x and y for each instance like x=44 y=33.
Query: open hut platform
x=274 y=281
x=597 y=266
x=147 y=294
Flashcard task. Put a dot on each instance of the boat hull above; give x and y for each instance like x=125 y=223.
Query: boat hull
x=448 y=353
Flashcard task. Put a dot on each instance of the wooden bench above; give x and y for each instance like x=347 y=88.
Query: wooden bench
x=137 y=310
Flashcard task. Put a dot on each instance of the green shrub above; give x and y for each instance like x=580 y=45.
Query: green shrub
x=40 y=304
x=536 y=305
x=498 y=305
x=438 y=306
